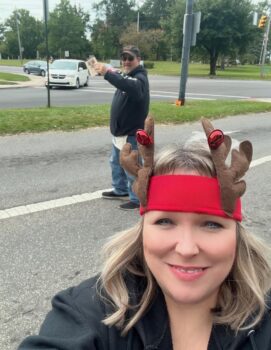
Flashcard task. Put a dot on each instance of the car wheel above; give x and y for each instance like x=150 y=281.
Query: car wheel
x=42 y=73
x=87 y=82
x=77 y=86
x=27 y=71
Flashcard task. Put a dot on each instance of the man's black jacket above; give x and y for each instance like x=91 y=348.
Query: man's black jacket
x=130 y=105
x=75 y=324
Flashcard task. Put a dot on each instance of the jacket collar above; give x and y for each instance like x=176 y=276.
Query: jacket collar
x=136 y=70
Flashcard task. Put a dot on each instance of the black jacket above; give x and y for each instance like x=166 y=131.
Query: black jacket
x=130 y=105
x=75 y=324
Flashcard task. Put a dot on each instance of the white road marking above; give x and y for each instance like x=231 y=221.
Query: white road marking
x=152 y=95
x=197 y=94
x=165 y=94
x=175 y=97
x=55 y=203
x=157 y=93
x=90 y=88
x=109 y=91
x=85 y=197
x=260 y=161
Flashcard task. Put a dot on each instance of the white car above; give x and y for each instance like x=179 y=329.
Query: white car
x=69 y=73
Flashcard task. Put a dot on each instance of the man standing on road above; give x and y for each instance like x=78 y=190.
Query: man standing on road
x=129 y=109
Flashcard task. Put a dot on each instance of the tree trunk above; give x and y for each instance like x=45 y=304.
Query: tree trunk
x=213 y=60
x=222 y=66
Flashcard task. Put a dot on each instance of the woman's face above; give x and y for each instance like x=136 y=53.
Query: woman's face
x=189 y=254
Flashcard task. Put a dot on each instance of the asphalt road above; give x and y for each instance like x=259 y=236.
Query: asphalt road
x=48 y=250
x=163 y=88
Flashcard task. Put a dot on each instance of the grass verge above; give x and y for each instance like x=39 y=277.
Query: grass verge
x=13 y=63
x=6 y=78
x=14 y=121
x=202 y=70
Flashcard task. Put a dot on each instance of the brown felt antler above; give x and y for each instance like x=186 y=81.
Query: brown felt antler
x=231 y=187
x=129 y=160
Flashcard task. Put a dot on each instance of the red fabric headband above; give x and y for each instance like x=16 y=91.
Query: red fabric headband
x=187 y=193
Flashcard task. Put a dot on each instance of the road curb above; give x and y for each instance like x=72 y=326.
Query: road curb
x=259 y=99
x=33 y=82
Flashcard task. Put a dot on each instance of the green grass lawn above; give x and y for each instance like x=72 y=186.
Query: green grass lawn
x=14 y=63
x=202 y=70
x=13 y=121
x=5 y=78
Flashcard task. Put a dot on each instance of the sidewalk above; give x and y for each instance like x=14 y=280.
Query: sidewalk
x=35 y=80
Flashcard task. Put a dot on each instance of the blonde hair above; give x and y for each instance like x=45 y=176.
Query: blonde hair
x=243 y=292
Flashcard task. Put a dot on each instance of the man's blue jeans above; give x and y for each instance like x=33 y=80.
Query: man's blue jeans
x=121 y=180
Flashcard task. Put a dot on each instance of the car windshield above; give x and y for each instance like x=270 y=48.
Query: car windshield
x=64 y=65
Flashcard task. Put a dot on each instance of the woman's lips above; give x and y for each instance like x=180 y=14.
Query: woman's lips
x=188 y=273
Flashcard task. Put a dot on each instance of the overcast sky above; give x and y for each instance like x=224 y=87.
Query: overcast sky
x=35 y=7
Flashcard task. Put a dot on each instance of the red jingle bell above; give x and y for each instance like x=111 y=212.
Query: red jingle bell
x=215 y=138
x=143 y=138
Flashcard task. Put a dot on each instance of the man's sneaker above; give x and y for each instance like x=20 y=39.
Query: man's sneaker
x=129 y=206
x=113 y=195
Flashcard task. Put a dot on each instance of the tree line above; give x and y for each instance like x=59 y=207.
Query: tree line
x=227 y=32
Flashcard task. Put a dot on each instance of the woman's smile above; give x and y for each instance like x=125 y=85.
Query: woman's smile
x=187 y=273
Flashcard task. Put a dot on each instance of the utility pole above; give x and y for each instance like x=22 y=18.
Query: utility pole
x=138 y=4
x=265 y=43
x=137 y=24
x=46 y=13
x=188 y=28
x=19 y=38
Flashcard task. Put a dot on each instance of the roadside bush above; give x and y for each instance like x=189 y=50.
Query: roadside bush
x=148 y=64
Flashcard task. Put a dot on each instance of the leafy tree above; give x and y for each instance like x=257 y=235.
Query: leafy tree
x=149 y=41
x=226 y=29
x=101 y=40
x=2 y=32
x=154 y=18
x=173 y=27
x=153 y=12
x=2 y=40
x=225 y=25
x=116 y=12
x=117 y=15
x=67 y=31
x=119 y=27
x=31 y=34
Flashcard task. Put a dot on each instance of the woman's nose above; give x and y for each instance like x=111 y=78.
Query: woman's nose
x=187 y=244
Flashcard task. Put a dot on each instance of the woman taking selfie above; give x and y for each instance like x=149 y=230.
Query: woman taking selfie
x=188 y=276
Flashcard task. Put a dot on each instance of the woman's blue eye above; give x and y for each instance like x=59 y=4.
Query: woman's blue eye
x=212 y=225
x=164 y=221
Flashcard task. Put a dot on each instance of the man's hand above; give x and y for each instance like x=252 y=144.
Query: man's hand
x=100 y=68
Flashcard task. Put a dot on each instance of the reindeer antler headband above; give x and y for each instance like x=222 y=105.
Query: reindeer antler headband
x=190 y=193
